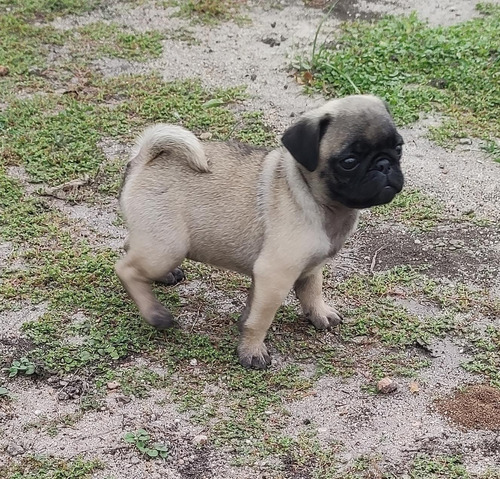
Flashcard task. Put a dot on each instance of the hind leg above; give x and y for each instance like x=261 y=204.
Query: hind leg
x=173 y=277
x=137 y=271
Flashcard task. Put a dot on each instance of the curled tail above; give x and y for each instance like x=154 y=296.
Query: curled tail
x=173 y=139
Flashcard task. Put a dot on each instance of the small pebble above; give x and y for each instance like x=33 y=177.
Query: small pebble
x=386 y=386
x=14 y=450
x=193 y=362
x=200 y=439
x=113 y=385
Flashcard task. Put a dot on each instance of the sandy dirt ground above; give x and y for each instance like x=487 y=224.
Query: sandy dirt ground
x=392 y=428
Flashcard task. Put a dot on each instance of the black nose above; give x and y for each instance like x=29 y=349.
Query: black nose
x=383 y=165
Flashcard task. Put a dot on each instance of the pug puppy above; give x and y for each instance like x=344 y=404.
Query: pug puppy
x=276 y=216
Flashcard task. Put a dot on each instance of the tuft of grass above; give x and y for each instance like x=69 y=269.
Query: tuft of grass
x=412 y=208
x=38 y=467
x=208 y=11
x=102 y=39
x=486 y=359
x=417 y=68
x=437 y=467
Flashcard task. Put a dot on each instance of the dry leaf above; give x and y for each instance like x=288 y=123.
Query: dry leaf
x=414 y=387
x=307 y=77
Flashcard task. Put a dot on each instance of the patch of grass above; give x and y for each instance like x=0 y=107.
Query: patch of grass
x=134 y=381
x=208 y=11
x=450 y=467
x=306 y=457
x=24 y=47
x=375 y=314
x=55 y=136
x=486 y=359
x=452 y=70
x=47 y=9
x=398 y=364
x=50 y=468
x=412 y=208
x=102 y=39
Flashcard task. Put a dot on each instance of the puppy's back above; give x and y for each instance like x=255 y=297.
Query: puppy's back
x=214 y=207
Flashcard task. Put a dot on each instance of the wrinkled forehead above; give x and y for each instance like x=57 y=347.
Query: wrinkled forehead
x=362 y=130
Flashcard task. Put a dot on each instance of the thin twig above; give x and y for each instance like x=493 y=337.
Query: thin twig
x=374 y=259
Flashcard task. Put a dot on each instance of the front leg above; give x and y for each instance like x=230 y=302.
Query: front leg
x=270 y=286
x=309 y=291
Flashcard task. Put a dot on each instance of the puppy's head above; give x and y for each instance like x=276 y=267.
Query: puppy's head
x=349 y=152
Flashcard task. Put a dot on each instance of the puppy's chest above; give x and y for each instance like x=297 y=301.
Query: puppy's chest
x=338 y=229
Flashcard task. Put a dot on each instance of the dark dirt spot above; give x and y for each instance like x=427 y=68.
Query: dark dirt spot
x=13 y=347
x=461 y=252
x=71 y=388
x=199 y=467
x=295 y=470
x=477 y=407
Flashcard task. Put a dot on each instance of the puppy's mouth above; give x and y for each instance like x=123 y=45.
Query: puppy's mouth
x=384 y=196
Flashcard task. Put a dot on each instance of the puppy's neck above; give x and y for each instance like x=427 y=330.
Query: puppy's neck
x=299 y=187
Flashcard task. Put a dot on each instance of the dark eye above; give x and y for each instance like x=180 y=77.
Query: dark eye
x=348 y=163
x=398 y=149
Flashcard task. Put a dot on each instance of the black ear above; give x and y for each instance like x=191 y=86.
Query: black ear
x=303 y=138
x=387 y=107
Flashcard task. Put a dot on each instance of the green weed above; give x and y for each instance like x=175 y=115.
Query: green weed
x=141 y=439
x=22 y=366
x=36 y=467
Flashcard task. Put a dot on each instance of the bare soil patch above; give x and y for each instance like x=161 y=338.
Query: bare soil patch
x=457 y=251
x=477 y=407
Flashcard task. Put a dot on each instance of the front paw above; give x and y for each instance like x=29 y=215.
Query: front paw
x=324 y=317
x=161 y=318
x=254 y=357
